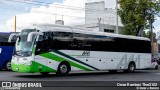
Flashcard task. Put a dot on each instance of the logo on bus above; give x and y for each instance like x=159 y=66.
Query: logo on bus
x=126 y=59
x=86 y=53
x=0 y=50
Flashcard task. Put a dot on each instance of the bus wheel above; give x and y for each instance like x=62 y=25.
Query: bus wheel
x=131 y=67
x=45 y=73
x=7 y=65
x=156 y=67
x=63 y=69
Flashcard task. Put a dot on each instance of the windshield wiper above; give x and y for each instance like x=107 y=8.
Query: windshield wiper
x=19 y=53
x=26 y=52
x=16 y=52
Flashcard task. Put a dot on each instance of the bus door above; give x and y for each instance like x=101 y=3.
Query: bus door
x=59 y=47
x=41 y=52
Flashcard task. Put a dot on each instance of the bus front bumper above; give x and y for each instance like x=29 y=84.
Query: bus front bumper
x=21 y=68
x=34 y=67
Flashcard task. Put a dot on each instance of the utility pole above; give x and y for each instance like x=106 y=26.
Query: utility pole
x=15 y=23
x=116 y=16
x=151 y=32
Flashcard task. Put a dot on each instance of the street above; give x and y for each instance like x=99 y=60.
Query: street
x=139 y=75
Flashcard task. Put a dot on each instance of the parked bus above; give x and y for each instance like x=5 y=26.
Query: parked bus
x=63 y=49
x=6 y=50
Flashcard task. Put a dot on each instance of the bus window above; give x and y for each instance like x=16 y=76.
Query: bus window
x=61 y=40
x=62 y=36
x=40 y=38
x=42 y=43
x=0 y=50
x=82 y=41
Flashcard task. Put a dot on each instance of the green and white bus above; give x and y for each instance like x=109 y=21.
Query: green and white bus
x=63 y=49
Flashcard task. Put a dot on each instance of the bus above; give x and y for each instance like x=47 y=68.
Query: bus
x=6 y=50
x=63 y=49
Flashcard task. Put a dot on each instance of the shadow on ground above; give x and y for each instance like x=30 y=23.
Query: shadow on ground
x=77 y=74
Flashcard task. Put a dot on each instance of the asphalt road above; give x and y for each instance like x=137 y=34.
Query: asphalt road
x=139 y=75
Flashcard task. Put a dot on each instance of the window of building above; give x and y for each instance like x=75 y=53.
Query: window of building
x=109 y=30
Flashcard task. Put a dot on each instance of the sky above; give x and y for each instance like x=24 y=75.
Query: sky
x=30 y=12
x=10 y=8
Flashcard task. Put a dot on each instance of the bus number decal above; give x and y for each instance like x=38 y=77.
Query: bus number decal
x=86 y=53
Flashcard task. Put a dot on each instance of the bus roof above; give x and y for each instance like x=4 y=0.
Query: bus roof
x=8 y=32
x=51 y=27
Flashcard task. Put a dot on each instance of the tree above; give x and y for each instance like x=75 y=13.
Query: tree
x=148 y=35
x=136 y=14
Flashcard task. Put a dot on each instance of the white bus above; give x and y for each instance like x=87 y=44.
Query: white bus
x=63 y=49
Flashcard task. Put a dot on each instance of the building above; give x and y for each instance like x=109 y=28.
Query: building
x=100 y=18
x=155 y=50
x=59 y=22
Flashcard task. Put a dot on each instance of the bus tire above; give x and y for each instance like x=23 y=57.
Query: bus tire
x=156 y=67
x=45 y=73
x=63 y=69
x=112 y=71
x=7 y=65
x=131 y=67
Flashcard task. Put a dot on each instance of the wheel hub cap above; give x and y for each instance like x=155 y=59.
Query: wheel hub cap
x=63 y=68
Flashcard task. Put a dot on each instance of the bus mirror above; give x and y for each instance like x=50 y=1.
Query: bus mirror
x=11 y=36
x=30 y=35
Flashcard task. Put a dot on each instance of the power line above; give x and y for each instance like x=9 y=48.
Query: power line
x=57 y=5
x=56 y=14
x=107 y=19
x=12 y=9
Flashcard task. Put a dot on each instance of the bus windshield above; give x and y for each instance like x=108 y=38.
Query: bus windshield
x=24 y=48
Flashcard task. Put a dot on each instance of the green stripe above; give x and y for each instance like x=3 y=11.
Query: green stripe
x=60 y=59
x=44 y=68
x=74 y=59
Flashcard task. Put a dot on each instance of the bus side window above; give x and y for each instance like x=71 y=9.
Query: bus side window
x=82 y=41
x=46 y=42
x=42 y=44
x=40 y=38
x=0 y=50
x=61 y=40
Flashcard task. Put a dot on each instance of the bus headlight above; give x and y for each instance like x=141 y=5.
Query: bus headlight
x=13 y=60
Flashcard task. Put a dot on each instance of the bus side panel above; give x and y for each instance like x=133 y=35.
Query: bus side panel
x=86 y=57
x=113 y=60
x=6 y=54
x=41 y=62
x=145 y=61
x=1 y=59
x=46 y=62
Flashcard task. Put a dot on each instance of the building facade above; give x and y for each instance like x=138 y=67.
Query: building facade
x=101 y=18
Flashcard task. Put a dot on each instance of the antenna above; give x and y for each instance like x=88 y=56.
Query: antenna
x=15 y=23
x=62 y=17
